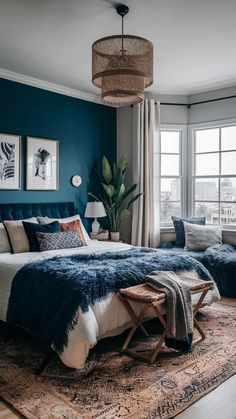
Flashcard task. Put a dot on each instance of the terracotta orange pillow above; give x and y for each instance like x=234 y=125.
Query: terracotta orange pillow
x=73 y=226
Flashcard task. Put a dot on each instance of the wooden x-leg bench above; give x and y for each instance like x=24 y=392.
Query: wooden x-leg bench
x=154 y=300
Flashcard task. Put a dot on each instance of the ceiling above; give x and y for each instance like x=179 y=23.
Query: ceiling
x=194 y=40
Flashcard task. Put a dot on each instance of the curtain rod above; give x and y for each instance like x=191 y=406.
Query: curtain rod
x=189 y=105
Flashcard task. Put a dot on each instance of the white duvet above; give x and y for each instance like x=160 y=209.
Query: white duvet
x=105 y=318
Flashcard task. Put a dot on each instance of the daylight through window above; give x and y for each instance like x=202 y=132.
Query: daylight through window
x=170 y=175
x=214 y=178
x=198 y=180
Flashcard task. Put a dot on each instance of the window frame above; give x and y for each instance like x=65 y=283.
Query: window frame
x=182 y=129
x=192 y=162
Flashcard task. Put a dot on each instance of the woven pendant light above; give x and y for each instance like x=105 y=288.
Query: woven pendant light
x=122 y=66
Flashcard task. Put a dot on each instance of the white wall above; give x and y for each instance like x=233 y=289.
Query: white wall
x=173 y=114
x=214 y=111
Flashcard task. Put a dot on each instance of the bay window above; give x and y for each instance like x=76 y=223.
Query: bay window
x=198 y=174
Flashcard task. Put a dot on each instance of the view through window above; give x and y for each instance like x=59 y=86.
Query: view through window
x=171 y=174
x=212 y=191
x=214 y=179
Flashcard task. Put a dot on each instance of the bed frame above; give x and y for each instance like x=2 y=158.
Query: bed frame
x=27 y=210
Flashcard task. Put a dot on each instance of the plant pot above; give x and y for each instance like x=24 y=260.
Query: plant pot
x=115 y=236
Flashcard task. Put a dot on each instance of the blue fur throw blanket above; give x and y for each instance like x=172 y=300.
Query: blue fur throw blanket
x=220 y=261
x=46 y=295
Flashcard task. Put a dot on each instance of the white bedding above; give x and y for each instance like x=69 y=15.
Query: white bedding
x=105 y=318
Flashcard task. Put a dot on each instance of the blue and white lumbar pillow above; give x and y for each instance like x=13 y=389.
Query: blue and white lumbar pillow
x=63 y=240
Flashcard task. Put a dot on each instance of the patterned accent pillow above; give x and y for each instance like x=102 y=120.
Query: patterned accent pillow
x=63 y=240
x=179 y=227
x=73 y=226
x=198 y=237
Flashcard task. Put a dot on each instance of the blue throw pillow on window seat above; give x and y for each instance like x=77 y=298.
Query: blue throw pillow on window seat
x=31 y=229
x=179 y=227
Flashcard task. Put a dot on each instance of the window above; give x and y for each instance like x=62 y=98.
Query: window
x=214 y=174
x=169 y=159
x=198 y=174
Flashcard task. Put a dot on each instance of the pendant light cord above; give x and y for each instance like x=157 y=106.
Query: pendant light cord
x=122 y=36
x=122 y=11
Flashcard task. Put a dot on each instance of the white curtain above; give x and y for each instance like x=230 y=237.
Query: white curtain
x=146 y=172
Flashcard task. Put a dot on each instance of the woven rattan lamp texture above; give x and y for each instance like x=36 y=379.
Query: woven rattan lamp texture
x=122 y=66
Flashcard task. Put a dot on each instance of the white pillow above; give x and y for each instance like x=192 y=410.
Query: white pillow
x=46 y=220
x=17 y=235
x=4 y=241
x=200 y=237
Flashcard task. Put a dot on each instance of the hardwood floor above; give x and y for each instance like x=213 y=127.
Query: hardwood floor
x=7 y=412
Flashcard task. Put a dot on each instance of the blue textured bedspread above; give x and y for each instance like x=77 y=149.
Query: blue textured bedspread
x=46 y=295
x=220 y=261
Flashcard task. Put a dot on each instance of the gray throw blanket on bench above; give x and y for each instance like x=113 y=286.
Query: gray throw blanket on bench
x=179 y=313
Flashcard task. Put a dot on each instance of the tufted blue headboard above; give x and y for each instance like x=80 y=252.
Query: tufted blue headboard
x=49 y=209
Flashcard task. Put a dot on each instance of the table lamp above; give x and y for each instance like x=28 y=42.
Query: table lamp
x=95 y=210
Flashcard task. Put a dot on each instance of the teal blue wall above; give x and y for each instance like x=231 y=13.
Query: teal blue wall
x=85 y=132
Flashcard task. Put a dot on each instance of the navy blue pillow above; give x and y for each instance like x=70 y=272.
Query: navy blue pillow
x=179 y=227
x=31 y=229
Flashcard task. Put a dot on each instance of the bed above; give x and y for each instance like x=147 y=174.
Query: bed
x=106 y=317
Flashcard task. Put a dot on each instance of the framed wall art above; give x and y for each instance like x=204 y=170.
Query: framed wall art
x=10 y=162
x=42 y=164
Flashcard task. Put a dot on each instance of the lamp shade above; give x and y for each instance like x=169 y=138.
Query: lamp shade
x=122 y=66
x=95 y=210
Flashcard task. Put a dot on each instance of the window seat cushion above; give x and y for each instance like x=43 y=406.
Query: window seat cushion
x=219 y=260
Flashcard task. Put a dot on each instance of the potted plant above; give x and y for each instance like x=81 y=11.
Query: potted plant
x=113 y=194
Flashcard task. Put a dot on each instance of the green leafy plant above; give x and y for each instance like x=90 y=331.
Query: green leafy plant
x=113 y=192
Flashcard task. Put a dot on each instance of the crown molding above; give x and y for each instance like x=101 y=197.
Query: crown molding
x=196 y=90
x=52 y=87
x=78 y=94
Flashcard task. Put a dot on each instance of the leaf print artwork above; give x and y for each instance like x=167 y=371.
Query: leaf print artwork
x=10 y=162
x=7 y=160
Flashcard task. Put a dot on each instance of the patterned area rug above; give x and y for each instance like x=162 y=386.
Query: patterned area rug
x=114 y=385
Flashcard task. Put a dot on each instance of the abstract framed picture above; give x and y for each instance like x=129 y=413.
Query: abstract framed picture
x=10 y=162
x=42 y=164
